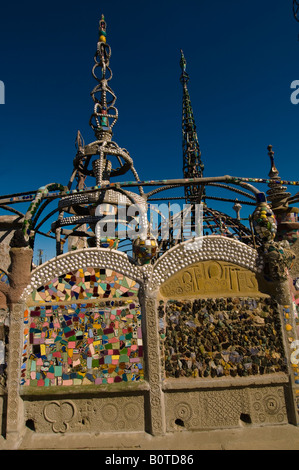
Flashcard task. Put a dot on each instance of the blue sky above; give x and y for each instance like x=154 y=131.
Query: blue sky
x=241 y=57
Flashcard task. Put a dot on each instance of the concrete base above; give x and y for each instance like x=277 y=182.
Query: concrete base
x=284 y=437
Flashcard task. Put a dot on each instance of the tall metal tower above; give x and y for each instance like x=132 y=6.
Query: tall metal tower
x=192 y=164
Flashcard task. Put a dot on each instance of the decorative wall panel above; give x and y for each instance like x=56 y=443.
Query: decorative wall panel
x=225 y=408
x=105 y=414
x=211 y=278
x=213 y=338
x=207 y=248
x=83 y=343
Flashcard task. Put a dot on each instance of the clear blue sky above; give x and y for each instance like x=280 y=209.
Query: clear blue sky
x=241 y=57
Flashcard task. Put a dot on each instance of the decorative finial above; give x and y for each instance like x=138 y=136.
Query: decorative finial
x=105 y=113
x=277 y=193
x=95 y=159
x=273 y=171
x=102 y=29
x=237 y=207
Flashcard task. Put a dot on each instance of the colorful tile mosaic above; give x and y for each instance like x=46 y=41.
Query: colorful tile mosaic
x=82 y=344
x=86 y=284
x=3 y=277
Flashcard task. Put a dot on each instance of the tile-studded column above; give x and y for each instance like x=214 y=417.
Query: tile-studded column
x=291 y=346
x=15 y=414
x=153 y=362
x=19 y=275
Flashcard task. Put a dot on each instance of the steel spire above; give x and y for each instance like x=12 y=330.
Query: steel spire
x=192 y=164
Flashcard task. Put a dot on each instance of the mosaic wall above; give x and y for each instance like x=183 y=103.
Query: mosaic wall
x=82 y=344
x=84 y=284
x=99 y=342
x=221 y=337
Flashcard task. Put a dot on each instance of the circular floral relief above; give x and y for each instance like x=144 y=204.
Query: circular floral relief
x=109 y=412
x=183 y=411
x=132 y=412
x=271 y=405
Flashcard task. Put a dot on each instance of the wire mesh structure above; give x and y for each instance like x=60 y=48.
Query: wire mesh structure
x=76 y=214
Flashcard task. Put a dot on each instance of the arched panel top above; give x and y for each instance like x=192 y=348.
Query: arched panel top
x=58 y=275
x=211 y=279
x=85 y=285
x=218 y=248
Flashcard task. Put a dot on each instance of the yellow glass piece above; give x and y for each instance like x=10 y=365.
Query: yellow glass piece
x=70 y=352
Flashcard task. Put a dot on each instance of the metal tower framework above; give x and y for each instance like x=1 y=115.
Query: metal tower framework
x=192 y=165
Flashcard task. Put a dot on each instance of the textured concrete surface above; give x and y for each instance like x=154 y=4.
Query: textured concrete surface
x=244 y=438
